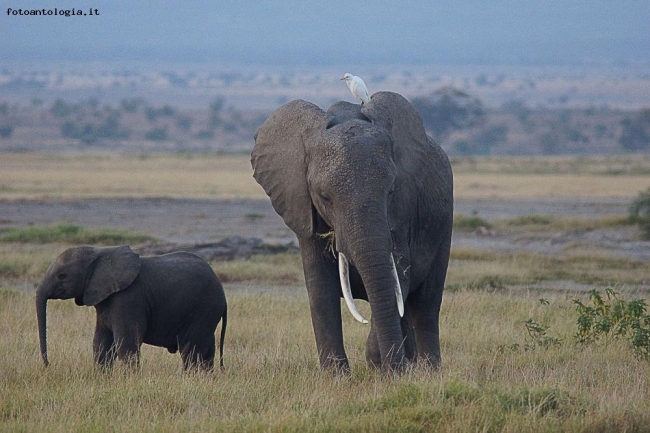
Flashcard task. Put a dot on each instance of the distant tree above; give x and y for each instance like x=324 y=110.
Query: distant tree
x=640 y=213
x=91 y=133
x=518 y=108
x=463 y=147
x=549 y=142
x=216 y=107
x=60 y=108
x=636 y=131
x=132 y=105
x=184 y=123
x=449 y=109
x=156 y=134
x=166 y=110
x=206 y=134
x=153 y=113
x=69 y=129
x=6 y=131
x=492 y=136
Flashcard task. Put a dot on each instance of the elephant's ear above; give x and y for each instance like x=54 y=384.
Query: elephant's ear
x=113 y=269
x=279 y=162
x=394 y=113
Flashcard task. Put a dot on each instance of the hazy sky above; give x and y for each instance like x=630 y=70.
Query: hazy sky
x=595 y=32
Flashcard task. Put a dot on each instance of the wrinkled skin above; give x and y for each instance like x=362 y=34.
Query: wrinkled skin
x=365 y=181
x=173 y=301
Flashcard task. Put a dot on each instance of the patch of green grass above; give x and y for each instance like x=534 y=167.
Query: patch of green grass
x=72 y=234
x=469 y=223
x=529 y=219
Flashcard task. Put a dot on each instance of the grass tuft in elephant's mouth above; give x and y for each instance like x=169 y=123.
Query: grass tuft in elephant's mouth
x=330 y=238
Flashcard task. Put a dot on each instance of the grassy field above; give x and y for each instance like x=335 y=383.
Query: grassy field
x=511 y=362
x=495 y=376
x=38 y=175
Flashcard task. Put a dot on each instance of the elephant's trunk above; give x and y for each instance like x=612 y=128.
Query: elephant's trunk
x=41 y=306
x=344 y=276
x=379 y=277
x=370 y=249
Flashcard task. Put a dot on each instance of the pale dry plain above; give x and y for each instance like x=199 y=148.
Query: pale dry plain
x=40 y=175
x=555 y=225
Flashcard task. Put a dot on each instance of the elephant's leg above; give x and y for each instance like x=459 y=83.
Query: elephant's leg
x=373 y=356
x=424 y=305
x=127 y=343
x=324 y=289
x=197 y=342
x=198 y=355
x=410 y=345
x=103 y=348
x=426 y=312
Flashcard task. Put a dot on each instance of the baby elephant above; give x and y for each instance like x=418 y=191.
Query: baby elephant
x=174 y=301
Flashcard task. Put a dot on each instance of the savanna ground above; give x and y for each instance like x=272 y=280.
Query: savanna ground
x=531 y=236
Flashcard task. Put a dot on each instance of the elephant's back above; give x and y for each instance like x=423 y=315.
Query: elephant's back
x=184 y=278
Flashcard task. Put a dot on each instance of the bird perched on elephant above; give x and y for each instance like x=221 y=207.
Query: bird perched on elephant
x=357 y=87
x=174 y=301
x=366 y=182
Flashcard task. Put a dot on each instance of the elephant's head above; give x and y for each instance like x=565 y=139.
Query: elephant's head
x=339 y=172
x=87 y=274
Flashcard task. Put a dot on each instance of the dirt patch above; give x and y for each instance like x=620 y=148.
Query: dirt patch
x=206 y=223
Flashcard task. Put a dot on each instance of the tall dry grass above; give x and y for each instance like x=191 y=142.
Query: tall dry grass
x=272 y=381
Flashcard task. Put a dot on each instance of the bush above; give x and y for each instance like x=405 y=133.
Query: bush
x=60 y=108
x=156 y=134
x=449 y=109
x=469 y=223
x=613 y=318
x=90 y=133
x=6 y=131
x=640 y=213
x=636 y=132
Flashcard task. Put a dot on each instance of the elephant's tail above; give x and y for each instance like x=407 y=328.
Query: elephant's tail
x=224 y=324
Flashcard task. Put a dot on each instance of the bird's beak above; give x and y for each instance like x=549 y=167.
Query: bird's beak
x=342 y=78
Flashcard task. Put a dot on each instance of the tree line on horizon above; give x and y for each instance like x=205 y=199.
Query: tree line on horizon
x=463 y=125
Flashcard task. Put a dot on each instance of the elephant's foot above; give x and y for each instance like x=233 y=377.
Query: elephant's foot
x=335 y=364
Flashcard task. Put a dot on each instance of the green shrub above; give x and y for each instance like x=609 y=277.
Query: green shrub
x=640 y=213
x=469 y=223
x=530 y=219
x=613 y=318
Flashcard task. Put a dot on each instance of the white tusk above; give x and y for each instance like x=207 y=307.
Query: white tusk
x=344 y=275
x=398 y=289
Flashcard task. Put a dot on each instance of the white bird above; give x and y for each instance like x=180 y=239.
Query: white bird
x=357 y=87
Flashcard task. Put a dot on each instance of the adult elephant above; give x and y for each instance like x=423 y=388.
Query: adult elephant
x=174 y=301
x=368 y=184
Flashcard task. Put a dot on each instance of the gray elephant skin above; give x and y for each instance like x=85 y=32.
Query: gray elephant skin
x=174 y=301
x=370 y=198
